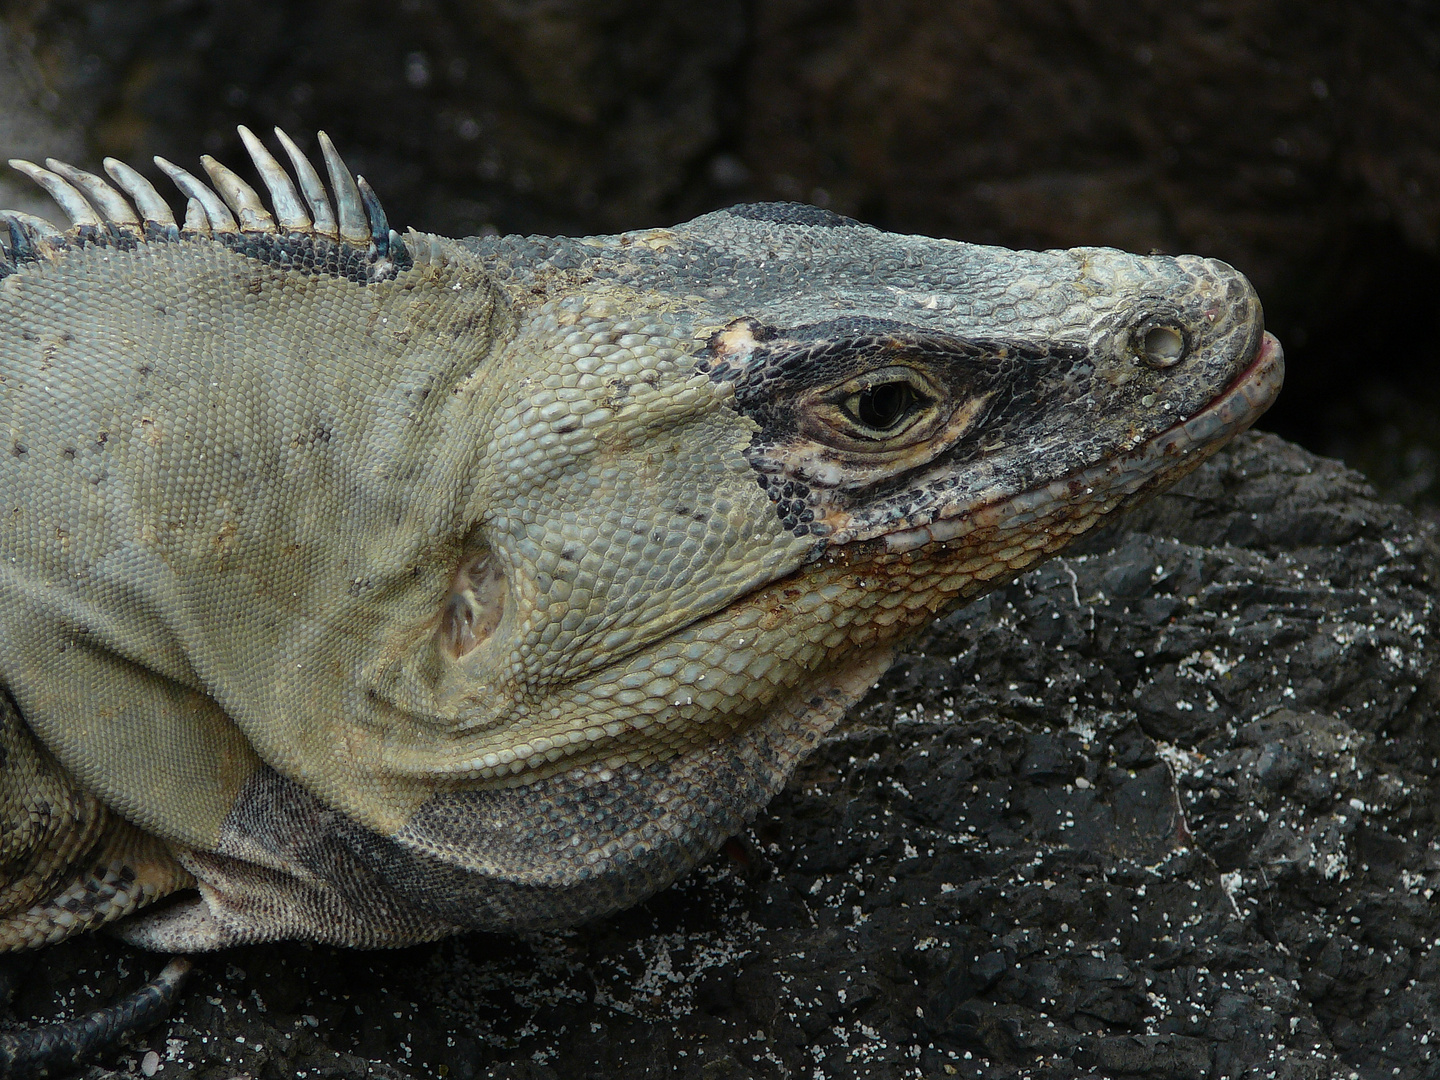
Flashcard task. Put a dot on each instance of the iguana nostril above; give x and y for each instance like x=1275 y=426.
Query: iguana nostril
x=1162 y=346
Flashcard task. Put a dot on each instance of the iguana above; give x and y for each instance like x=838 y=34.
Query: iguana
x=366 y=588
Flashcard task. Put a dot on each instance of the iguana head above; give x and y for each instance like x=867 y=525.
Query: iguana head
x=736 y=463
x=631 y=520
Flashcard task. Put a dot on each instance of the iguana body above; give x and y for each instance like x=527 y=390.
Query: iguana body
x=387 y=588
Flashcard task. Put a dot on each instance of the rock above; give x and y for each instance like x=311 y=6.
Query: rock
x=1161 y=808
x=1233 y=129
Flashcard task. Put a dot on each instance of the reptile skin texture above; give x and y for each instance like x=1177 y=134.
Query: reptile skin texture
x=365 y=588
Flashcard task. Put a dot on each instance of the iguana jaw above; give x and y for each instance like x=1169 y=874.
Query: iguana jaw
x=1161 y=459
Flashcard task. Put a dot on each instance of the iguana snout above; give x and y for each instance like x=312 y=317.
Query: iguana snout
x=871 y=426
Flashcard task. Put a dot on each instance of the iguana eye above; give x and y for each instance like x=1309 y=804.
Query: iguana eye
x=885 y=406
x=888 y=406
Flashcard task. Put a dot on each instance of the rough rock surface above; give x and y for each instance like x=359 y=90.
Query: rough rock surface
x=1162 y=808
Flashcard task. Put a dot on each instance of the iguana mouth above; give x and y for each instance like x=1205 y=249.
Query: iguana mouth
x=1178 y=448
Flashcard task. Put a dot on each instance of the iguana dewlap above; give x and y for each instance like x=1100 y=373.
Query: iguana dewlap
x=383 y=587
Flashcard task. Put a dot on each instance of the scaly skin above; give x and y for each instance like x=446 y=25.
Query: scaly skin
x=386 y=588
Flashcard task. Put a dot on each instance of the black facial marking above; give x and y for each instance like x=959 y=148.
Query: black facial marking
x=773 y=371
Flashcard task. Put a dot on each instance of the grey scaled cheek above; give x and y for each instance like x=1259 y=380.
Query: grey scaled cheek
x=617 y=495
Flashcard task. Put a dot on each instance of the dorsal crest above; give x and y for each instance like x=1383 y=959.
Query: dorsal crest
x=299 y=231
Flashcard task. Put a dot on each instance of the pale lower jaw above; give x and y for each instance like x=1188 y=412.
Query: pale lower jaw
x=1239 y=406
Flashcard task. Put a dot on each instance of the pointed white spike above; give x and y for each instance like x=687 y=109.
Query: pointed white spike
x=375 y=215
x=44 y=229
x=353 y=224
x=31 y=238
x=288 y=209
x=109 y=202
x=69 y=200
x=153 y=209
x=240 y=197
x=311 y=187
x=221 y=220
x=196 y=220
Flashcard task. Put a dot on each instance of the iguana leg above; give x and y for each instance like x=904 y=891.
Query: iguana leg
x=67 y=863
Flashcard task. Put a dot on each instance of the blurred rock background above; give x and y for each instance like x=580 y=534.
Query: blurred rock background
x=1298 y=140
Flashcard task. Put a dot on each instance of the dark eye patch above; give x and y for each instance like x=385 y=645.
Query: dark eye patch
x=770 y=366
x=774 y=371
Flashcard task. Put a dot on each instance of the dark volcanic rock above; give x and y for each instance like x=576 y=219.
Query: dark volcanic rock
x=1162 y=808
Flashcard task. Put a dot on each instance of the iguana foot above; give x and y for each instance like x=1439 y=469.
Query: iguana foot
x=53 y=1049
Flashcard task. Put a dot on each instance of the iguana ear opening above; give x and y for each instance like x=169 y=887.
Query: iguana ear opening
x=473 y=607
